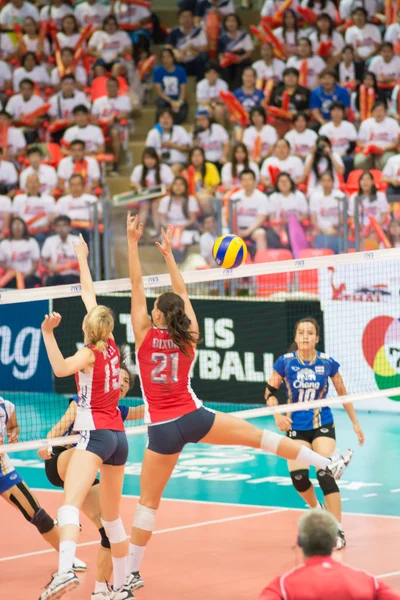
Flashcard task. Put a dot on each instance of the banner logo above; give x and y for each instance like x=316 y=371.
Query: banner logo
x=381 y=348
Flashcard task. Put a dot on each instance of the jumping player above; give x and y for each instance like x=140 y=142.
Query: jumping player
x=306 y=374
x=102 y=445
x=165 y=350
x=15 y=491
x=56 y=462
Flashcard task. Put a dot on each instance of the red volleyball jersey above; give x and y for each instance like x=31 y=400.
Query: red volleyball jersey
x=164 y=373
x=99 y=392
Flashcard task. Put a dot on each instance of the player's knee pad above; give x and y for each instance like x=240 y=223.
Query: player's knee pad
x=42 y=521
x=301 y=480
x=270 y=441
x=68 y=515
x=115 y=530
x=145 y=518
x=327 y=483
x=105 y=542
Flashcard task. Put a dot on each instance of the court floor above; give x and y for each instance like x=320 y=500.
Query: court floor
x=228 y=522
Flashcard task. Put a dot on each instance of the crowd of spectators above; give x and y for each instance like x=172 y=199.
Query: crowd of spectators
x=317 y=86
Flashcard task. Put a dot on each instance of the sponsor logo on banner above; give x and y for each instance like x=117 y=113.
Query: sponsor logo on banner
x=357 y=283
x=381 y=348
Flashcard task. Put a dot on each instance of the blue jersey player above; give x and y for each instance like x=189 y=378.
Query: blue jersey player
x=305 y=373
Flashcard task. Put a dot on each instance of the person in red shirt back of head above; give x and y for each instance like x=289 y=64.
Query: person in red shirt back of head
x=321 y=576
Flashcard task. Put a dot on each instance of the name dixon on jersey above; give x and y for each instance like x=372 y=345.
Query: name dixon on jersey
x=161 y=344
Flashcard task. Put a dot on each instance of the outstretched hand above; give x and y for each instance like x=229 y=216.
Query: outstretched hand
x=81 y=248
x=51 y=322
x=165 y=246
x=134 y=229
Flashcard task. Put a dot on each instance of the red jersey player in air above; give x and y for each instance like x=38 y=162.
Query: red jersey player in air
x=165 y=350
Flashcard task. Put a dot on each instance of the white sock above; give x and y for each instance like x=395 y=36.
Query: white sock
x=310 y=457
x=120 y=571
x=135 y=557
x=66 y=556
x=100 y=586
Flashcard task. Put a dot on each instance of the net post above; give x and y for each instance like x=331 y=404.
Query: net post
x=357 y=223
x=96 y=236
x=345 y=225
x=106 y=240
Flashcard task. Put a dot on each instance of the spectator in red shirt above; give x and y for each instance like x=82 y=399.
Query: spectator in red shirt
x=320 y=576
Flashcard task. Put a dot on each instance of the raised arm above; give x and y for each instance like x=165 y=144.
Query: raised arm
x=63 y=367
x=139 y=315
x=178 y=284
x=88 y=294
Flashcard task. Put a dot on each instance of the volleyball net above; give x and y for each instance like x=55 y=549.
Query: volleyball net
x=247 y=318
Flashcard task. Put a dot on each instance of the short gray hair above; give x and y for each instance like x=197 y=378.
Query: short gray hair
x=318 y=531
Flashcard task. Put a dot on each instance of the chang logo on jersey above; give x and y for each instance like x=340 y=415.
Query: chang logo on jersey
x=305 y=379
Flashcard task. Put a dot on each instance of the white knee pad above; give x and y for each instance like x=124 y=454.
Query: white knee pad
x=68 y=515
x=145 y=518
x=115 y=530
x=270 y=441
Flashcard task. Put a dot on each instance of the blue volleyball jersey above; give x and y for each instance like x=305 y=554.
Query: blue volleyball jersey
x=306 y=381
x=123 y=409
x=249 y=101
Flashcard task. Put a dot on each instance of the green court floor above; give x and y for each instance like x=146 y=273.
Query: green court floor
x=246 y=476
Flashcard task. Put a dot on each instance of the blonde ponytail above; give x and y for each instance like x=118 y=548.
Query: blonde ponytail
x=99 y=324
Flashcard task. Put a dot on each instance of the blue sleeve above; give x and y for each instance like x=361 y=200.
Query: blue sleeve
x=261 y=96
x=181 y=74
x=158 y=74
x=315 y=100
x=171 y=38
x=238 y=94
x=344 y=97
x=74 y=398
x=124 y=410
x=279 y=366
x=334 y=367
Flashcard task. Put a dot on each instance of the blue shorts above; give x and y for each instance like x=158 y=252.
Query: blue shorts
x=171 y=437
x=8 y=481
x=110 y=446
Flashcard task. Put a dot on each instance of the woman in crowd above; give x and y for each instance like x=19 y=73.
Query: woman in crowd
x=19 y=255
x=321 y=160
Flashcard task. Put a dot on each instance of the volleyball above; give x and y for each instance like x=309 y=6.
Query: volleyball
x=229 y=251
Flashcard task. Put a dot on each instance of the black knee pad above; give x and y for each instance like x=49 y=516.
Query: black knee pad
x=301 y=480
x=327 y=483
x=42 y=521
x=105 y=542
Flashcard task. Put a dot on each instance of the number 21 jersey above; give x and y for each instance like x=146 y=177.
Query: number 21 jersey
x=164 y=373
x=306 y=381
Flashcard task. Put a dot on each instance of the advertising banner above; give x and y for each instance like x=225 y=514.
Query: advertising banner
x=23 y=360
x=366 y=342
x=241 y=341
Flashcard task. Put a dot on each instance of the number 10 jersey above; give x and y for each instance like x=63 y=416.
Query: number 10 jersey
x=164 y=372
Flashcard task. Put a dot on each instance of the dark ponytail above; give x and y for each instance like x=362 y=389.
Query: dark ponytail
x=178 y=324
x=311 y=320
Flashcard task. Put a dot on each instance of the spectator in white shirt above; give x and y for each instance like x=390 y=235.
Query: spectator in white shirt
x=207 y=239
x=284 y=162
x=110 y=45
x=47 y=175
x=326 y=209
x=321 y=160
x=301 y=139
x=151 y=173
x=24 y=103
x=32 y=203
x=77 y=204
x=207 y=93
x=289 y=33
x=16 y=145
x=31 y=40
x=92 y=12
x=62 y=105
x=30 y=69
x=342 y=135
x=391 y=175
x=67 y=59
x=368 y=201
x=259 y=129
x=386 y=67
x=179 y=209
x=55 y=12
x=5 y=78
x=393 y=31
x=5 y=214
x=20 y=253
x=268 y=67
x=364 y=37
x=315 y=64
x=251 y=210
x=79 y=163
x=380 y=131
x=112 y=112
x=230 y=173
x=82 y=130
x=58 y=254
x=324 y=34
x=69 y=34
x=212 y=137
x=15 y=11
x=171 y=142
x=287 y=200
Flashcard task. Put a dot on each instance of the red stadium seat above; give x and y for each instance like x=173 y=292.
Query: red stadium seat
x=354 y=176
x=276 y=282
x=99 y=87
x=308 y=280
x=54 y=154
